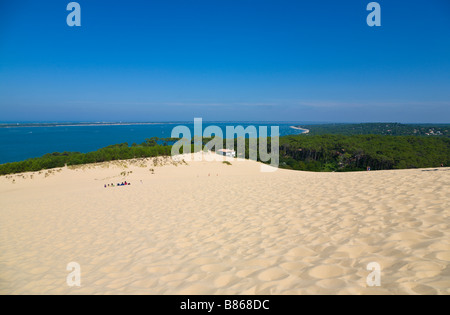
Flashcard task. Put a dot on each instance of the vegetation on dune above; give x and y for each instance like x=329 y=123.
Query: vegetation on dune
x=123 y=151
x=308 y=152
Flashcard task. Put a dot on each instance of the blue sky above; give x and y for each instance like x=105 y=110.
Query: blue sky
x=225 y=60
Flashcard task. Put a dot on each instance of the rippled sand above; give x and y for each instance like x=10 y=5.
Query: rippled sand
x=211 y=228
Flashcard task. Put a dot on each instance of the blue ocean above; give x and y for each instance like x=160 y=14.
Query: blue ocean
x=21 y=143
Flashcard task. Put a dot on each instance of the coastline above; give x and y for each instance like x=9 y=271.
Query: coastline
x=87 y=137
x=36 y=125
x=305 y=131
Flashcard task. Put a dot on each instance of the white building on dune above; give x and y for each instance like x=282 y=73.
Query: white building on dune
x=227 y=152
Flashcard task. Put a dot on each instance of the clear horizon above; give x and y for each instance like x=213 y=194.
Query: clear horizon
x=227 y=61
x=218 y=121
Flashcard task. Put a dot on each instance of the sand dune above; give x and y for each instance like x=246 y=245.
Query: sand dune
x=211 y=228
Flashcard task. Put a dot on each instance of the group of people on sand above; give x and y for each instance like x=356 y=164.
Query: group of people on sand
x=118 y=184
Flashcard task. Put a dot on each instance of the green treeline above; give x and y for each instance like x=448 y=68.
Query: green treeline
x=150 y=148
x=391 y=129
x=318 y=153
x=354 y=153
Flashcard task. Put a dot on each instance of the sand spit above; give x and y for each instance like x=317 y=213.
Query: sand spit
x=299 y=128
x=212 y=228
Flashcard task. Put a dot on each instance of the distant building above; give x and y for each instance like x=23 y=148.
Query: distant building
x=227 y=152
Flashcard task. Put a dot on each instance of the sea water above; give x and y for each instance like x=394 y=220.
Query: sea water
x=21 y=143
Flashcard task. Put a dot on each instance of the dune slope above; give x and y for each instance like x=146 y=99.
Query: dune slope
x=212 y=228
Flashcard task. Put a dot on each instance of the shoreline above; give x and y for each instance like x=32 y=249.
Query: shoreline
x=99 y=124
x=305 y=131
x=37 y=125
